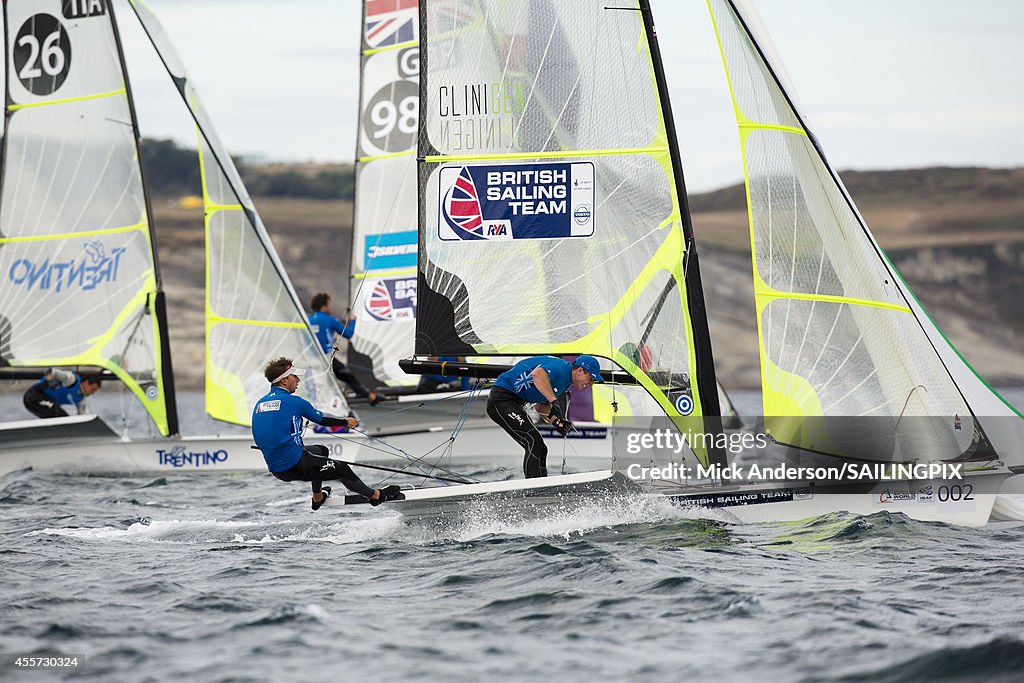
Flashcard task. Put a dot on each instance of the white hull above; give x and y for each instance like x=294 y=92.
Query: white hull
x=66 y=446
x=966 y=502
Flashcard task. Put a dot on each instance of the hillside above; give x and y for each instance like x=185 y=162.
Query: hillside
x=956 y=235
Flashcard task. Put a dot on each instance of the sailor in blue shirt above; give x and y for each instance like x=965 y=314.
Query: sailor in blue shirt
x=277 y=424
x=325 y=326
x=544 y=381
x=60 y=387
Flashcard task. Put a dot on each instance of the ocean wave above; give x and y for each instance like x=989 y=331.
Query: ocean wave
x=999 y=659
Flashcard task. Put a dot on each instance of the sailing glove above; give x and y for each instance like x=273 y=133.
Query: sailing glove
x=561 y=424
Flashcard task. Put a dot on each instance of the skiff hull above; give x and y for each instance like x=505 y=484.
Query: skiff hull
x=966 y=502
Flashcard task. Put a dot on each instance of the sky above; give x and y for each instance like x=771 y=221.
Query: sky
x=884 y=83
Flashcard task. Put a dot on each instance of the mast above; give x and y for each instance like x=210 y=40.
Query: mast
x=706 y=383
x=158 y=305
x=5 y=324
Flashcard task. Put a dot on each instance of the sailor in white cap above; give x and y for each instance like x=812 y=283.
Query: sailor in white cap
x=277 y=424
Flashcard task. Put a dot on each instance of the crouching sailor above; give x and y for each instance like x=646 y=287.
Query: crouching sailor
x=543 y=381
x=60 y=388
x=277 y=422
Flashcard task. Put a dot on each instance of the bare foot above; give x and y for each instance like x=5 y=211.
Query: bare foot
x=376 y=495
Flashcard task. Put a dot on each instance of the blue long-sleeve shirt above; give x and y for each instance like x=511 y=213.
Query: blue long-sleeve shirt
x=325 y=326
x=277 y=427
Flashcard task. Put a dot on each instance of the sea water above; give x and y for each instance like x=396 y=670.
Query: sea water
x=234 y=578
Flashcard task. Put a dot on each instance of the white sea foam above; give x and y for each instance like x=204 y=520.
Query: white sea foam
x=152 y=530
x=562 y=522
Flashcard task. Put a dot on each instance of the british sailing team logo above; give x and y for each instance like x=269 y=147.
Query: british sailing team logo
x=553 y=200
x=392 y=299
x=390 y=22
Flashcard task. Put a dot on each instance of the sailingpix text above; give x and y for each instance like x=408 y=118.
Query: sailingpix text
x=848 y=471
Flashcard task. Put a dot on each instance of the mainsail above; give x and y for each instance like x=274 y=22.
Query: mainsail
x=79 y=283
x=252 y=312
x=845 y=346
x=383 y=285
x=552 y=206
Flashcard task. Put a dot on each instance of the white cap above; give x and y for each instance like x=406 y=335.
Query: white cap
x=292 y=370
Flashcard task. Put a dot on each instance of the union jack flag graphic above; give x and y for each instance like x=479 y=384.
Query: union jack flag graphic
x=462 y=208
x=379 y=304
x=389 y=22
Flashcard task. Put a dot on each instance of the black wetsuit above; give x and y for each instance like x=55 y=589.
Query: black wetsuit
x=342 y=372
x=506 y=409
x=314 y=466
x=40 y=404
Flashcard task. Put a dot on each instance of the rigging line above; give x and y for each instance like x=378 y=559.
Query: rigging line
x=413 y=460
x=568 y=441
x=446 y=445
x=475 y=393
x=424 y=475
x=565 y=440
x=508 y=55
x=670 y=284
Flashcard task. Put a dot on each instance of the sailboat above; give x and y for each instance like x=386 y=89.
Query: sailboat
x=385 y=240
x=81 y=284
x=554 y=220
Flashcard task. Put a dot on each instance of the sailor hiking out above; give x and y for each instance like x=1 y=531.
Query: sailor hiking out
x=543 y=381
x=277 y=423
